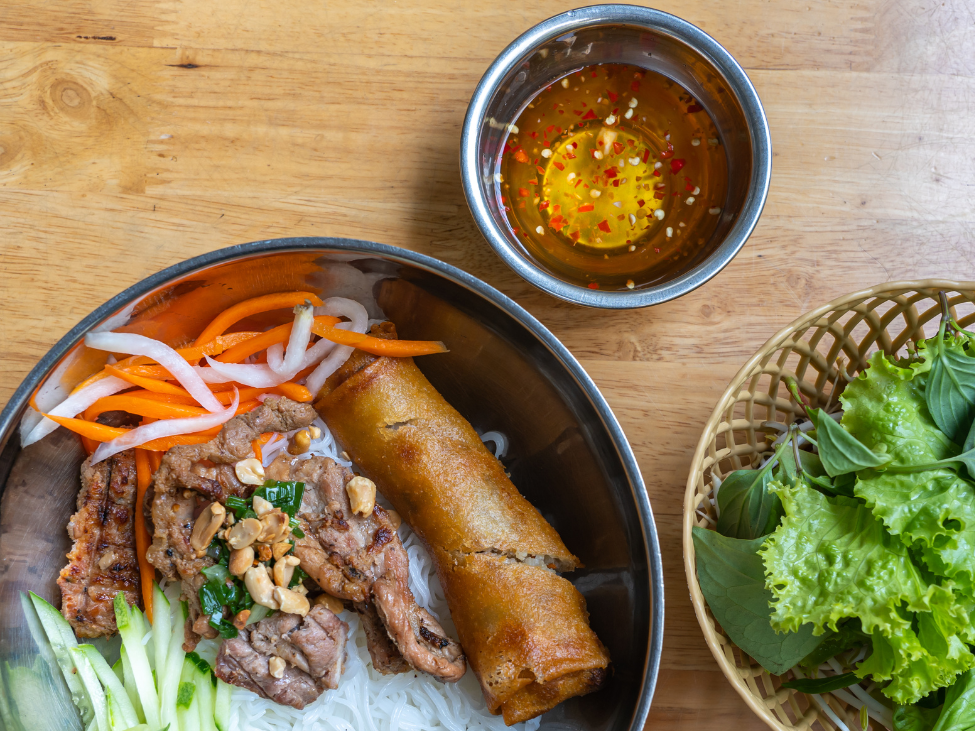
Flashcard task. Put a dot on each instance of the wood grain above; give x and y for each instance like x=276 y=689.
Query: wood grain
x=136 y=134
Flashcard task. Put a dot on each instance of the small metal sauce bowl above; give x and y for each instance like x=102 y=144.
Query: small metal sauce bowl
x=624 y=34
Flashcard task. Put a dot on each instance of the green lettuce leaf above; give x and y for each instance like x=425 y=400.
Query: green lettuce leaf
x=958 y=712
x=933 y=510
x=732 y=580
x=831 y=559
x=915 y=718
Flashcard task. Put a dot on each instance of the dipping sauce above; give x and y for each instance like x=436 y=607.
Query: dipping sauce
x=613 y=177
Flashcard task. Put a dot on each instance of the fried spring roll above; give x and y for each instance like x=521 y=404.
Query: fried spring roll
x=524 y=628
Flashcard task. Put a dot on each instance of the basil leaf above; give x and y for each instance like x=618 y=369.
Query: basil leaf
x=786 y=472
x=915 y=718
x=745 y=504
x=970 y=439
x=822 y=685
x=210 y=601
x=950 y=389
x=283 y=495
x=732 y=578
x=840 y=451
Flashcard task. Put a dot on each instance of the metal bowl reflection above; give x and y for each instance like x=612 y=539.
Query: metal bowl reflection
x=504 y=372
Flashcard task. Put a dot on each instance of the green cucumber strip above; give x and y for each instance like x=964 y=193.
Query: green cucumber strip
x=162 y=627
x=139 y=661
x=61 y=637
x=188 y=701
x=88 y=678
x=112 y=684
x=117 y=669
x=221 y=705
x=204 y=692
x=128 y=680
x=170 y=674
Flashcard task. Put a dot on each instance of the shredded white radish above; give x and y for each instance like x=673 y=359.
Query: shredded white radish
x=359 y=322
x=165 y=356
x=499 y=440
x=75 y=404
x=298 y=342
x=165 y=428
x=256 y=375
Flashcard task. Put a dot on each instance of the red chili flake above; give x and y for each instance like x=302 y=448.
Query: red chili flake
x=620 y=217
x=556 y=208
x=543 y=205
x=559 y=165
x=667 y=154
x=618 y=147
x=655 y=249
x=561 y=111
x=612 y=96
x=604 y=226
x=610 y=172
x=657 y=173
x=616 y=183
x=646 y=155
x=658 y=196
x=584 y=105
x=593 y=285
x=676 y=164
x=594 y=74
x=589 y=115
x=586 y=207
x=533 y=181
x=523 y=192
x=534 y=135
x=635 y=86
x=507 y=149
x=694 y=108
x=521 y=155
x=557 y=222
x=558 y=130
x=675 y=193
x=615 y=111
x=549 y=128
x=640 y=202
x=687 y=179
x=569 y=156
x=689 y=186
x=540 y=169
x=577 y=112
x=579 y=182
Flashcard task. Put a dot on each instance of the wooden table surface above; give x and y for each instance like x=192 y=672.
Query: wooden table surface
x=137 y=133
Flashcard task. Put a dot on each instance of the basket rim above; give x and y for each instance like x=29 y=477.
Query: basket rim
x=727 y=398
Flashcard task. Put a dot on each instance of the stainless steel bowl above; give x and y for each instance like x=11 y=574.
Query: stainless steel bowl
x=504 y=372
x=645 y=38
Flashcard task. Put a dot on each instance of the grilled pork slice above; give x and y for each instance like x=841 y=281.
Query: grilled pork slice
x=190 y=478
x=102 y=561
x=286 y=658
x=362 y=560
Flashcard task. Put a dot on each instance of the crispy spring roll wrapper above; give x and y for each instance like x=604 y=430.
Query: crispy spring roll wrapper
x=524 y=628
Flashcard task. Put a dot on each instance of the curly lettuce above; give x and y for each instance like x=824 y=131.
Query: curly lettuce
x=831 y=559
x=934 y=510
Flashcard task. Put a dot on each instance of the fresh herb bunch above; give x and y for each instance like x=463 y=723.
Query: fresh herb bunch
x=865 y=548
x=224 y=595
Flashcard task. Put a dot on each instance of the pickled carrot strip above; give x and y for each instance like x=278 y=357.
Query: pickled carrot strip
x=164 y=444
x=147 y=571
x=150 y=384
x=254 y=306
x=379 y=346
x=265 y=340
x=260 y=442
x=142 y=407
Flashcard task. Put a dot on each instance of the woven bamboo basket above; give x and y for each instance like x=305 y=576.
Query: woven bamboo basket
x=822 y=350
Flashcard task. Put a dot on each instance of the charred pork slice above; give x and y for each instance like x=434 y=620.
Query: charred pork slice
x=362 y=560
x=286 y=658
x=190 y=478
x=102 y=561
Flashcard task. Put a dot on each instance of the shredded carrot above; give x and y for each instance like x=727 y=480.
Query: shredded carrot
x=89 y=445
x=147 y=572
x=163 y=444
x=260 y=442
x=142 y=407
x=265 y=340
x=378 y=346
x=93 y=430
x=257 y=305
x=150 y=384
x=155 y=460
x=294 y=391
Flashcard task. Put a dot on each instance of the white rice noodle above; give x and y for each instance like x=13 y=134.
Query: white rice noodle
x=297 y=343
x=165 y=356
x=499 y=440
x=256 y=375
x=164 y=428
x=358 y=322
x=74 y=405
x=364 y=699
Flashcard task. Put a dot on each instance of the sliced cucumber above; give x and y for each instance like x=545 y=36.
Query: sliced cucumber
x=139 y=660
x=113 y=686
x=221 y=707
x=94 y=689
x=162 y=628
x=169 y=676
x=128 y=680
